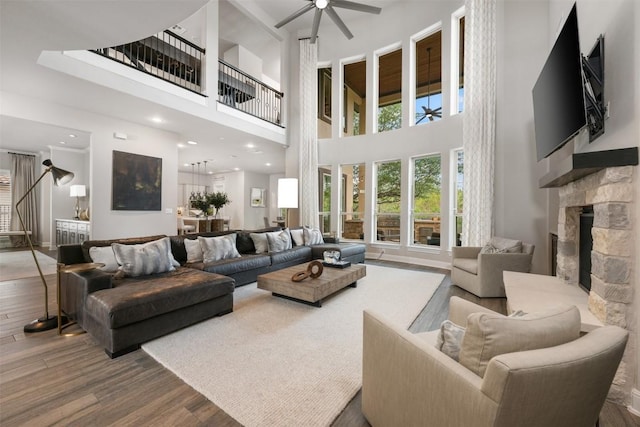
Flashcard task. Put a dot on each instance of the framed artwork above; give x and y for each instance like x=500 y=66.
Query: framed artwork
x=136 y=182
x=258 y=196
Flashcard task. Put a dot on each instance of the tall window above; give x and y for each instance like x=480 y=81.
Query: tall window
x=458 y=196
x=457 y=61
x=425 y=212
x=390 y=91
x=352 y=201
x=324 y=102
x=387 y=213
x=355 y=96
x=324 y=178
x=461 y=66
x=429 y=78
x=5 y=200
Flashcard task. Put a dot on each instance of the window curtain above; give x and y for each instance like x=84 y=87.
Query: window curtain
x=22 y=178
x=479 y=121
x=309 y=134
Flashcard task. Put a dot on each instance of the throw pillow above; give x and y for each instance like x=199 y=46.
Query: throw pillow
x=499 y=245
x=490 y=335
x=297 y=236
x=194 y=250
x=280 y=241
x=104 y=255
x=260 y=242
x=144 y=259
x=218 y=248
x=450 y=339
x=312 y=236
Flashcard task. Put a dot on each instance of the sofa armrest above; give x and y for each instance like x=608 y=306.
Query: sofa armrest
x=460 y=309
x=465 y=251
x=407 y=381
x=491 y=266
x=76 y=287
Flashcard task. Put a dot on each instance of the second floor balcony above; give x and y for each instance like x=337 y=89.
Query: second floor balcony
x=169 y=57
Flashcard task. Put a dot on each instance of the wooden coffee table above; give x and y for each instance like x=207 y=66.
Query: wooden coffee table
x=311 y=291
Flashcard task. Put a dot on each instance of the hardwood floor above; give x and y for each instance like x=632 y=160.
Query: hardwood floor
x=46 y=379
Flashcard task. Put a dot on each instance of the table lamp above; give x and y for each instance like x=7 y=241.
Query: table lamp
x=77 y=191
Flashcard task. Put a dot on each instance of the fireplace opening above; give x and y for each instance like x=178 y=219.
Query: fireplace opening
x=585 y=247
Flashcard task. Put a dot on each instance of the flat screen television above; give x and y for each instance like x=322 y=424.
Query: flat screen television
x=558 y=96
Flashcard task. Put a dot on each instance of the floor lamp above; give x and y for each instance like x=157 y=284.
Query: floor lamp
x=60 y=177
x=287 y=195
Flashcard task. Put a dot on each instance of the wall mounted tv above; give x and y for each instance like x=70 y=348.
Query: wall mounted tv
x=567 y=98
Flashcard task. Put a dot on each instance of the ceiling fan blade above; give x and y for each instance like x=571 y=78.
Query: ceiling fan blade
x=356 y=6
x=294 y=15
x=426 y=111
x=316 y=25
x=336 y=19
x=421 y=119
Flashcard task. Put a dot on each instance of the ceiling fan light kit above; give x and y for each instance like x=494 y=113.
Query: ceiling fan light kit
x=328 y=6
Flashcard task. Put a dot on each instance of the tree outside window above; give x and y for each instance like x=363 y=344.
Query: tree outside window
x=427 y=183
x=388 y=201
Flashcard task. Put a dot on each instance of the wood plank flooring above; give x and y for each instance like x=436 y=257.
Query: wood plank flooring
x=46 y=379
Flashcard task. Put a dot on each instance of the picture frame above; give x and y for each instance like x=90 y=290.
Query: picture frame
x=258 y=197
x=136 y=182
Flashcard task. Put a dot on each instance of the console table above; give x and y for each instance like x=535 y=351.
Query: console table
x=534 y=292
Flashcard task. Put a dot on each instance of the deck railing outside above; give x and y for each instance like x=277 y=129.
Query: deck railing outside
x=239 y=90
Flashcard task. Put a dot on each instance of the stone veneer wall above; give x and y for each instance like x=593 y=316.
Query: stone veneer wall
x=610 y=191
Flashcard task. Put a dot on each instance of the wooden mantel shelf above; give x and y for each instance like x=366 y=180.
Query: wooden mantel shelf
x=579 y=165
x=536 y=292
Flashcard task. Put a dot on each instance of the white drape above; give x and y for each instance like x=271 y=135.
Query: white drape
x=479 y=121
x=22 y=178
x=308 y=134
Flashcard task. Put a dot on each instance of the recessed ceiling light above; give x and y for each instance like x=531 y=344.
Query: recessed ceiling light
x=156 y=119
x=72 y=135
x=221 y=138
x=236 y=169
x=192 y=142
x=180 y=145
x=250 y=145
x=210 y=173
x=267 y=164
x=187 y=164
x=62 y=142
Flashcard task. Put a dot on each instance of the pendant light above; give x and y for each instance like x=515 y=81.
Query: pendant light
x=192 y=197
x=205 y=178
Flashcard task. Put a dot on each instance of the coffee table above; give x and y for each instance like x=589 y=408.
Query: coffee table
x=311 y=291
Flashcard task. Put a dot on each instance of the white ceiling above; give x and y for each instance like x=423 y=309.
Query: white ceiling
x=28 y=27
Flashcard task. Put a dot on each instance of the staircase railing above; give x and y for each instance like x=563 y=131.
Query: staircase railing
x=239 y=90
x=165 y=55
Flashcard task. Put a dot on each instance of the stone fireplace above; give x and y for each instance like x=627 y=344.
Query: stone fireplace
x=610 y=191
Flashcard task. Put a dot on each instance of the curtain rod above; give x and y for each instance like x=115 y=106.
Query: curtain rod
x=21 y=154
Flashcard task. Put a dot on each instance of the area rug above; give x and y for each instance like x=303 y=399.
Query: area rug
x=20 y=264
x=275 y=362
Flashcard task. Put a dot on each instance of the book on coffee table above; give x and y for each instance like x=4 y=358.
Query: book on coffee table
x=338 y=264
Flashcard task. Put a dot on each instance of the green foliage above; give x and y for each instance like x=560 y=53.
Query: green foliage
x=390 y=117
x=389 y=178
x=218 y=200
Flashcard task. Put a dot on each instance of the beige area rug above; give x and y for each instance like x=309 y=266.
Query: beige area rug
x=20 y=264
x=275 y=362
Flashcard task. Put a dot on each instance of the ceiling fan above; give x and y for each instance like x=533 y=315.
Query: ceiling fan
x=428 y=112
x=328 y=6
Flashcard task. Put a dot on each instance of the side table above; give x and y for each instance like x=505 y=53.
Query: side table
x=71 y=268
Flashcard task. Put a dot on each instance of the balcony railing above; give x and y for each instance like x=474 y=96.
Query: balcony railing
x=239 y=90
x=165 y=55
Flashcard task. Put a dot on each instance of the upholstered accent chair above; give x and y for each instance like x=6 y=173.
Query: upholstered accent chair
x=408 y=381
x=479 y=269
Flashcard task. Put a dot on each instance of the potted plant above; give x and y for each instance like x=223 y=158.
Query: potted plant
x=218 y=200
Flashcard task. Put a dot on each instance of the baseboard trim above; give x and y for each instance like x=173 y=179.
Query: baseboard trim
x=634 y=407
x=409 y=260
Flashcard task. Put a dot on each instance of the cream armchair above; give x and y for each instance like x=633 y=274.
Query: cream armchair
x=407 y=381
x=481 y=273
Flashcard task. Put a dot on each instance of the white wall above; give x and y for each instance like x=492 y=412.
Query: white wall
x=254 y=217
x=62 y=206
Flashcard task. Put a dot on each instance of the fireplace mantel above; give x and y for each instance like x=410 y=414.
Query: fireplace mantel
x=580 y=165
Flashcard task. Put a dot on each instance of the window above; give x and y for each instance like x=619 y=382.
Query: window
x=429 y=79
x=459 y=194
x=387 y=212
x=324 y=176
x=352 y=201
x=355 y=95
x=5 y=205
x=425 y=211
x=457 y=61
x=390 y=91
x=324 y=103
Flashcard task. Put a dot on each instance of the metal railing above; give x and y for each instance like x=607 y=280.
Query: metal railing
x=165 y=55
x=239 y=90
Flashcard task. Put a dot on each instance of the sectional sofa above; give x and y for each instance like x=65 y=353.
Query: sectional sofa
x=123 y=312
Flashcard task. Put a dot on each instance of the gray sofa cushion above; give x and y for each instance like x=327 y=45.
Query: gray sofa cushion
x=88 y=244
x=297 y=254
x=137 y=299
x=235 y=265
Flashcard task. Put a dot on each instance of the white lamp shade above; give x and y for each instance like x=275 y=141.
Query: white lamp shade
x=288 y=193
x=78 y=191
